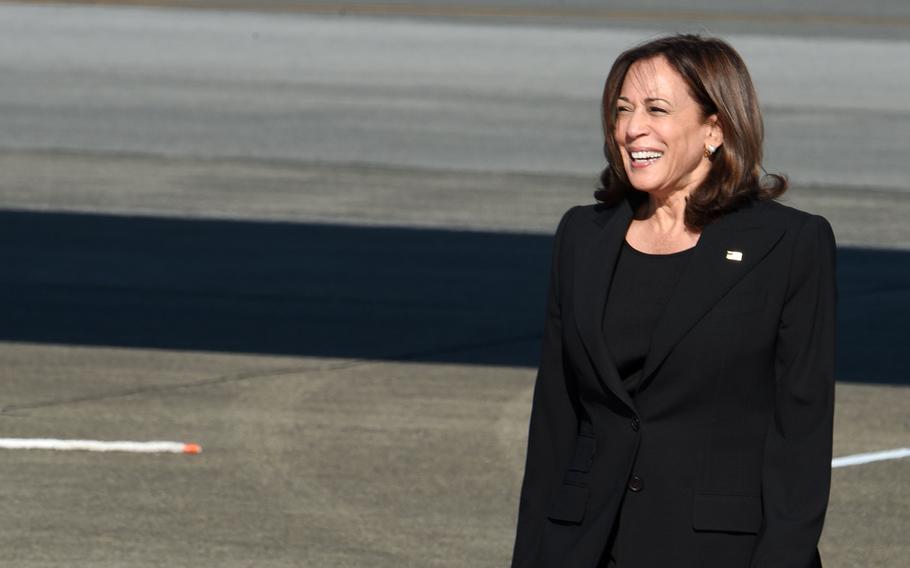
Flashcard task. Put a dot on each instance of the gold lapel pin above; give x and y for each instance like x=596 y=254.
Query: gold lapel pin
x=734 y=255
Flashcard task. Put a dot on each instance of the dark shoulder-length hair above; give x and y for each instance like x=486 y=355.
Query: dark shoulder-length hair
x=719 y=82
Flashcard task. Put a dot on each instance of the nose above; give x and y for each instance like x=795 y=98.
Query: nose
x=635 y=125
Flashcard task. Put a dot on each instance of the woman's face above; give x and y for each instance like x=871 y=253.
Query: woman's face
x=660 y=130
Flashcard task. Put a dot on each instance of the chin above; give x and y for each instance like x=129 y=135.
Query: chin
x=646 y=186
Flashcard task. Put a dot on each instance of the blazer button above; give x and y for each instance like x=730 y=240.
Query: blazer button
x=636 y=424
x=636 y=484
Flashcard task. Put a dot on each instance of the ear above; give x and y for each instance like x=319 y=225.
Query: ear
x=715 y=134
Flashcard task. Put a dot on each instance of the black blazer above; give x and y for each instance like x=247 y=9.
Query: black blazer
x=723 y=459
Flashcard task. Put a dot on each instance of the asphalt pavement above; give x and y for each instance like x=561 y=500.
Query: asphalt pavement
x=316 y=244
x=422 y=94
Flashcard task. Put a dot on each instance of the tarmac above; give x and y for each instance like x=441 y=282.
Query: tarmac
x=352 y=342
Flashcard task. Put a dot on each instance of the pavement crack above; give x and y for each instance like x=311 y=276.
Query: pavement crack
x=427 y=355
x=15 y=409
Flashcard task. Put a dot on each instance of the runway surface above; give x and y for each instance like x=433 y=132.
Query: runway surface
x=317 y=244
x=441 y=95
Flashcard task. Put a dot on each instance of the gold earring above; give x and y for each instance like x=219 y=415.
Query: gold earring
x=709 y=151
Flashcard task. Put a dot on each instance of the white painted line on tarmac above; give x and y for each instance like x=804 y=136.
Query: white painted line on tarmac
x=159 y=447
x=99 y=446
x=858 y=459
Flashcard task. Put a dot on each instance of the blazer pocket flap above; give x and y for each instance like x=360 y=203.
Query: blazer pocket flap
x=569 y=504
x=727 y=513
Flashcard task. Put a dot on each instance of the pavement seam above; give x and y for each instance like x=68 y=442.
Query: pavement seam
x=356 y=168
x=16 y=410
x=13 y=409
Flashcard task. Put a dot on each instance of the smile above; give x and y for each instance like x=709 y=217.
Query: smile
x=641 y=158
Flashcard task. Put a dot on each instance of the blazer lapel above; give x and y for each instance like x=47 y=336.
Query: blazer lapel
x=594 y=264
x=726 y=251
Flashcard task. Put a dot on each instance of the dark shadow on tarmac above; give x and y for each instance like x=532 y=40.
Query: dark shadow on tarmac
x=342 y=291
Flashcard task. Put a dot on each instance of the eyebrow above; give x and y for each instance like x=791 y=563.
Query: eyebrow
x=647 y=100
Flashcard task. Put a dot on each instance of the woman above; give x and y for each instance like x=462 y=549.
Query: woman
x=682 y=414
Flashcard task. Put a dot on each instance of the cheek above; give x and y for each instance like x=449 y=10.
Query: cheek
x=695 y=153
x=694 y=143
x=687 y=152
x=617 y=139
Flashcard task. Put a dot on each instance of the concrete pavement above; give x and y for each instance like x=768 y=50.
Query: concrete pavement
x=269 y=234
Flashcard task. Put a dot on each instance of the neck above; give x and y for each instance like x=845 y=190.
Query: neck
x=666 y=213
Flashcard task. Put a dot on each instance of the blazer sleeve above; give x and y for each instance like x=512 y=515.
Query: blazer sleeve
x=553 y=425
x=796 y=475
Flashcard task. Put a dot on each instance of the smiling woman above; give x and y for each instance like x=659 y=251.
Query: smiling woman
x=661 y=131
x=692 y=98
x=683 y=407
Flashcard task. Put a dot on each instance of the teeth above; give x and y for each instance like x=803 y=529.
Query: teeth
x=646 y=155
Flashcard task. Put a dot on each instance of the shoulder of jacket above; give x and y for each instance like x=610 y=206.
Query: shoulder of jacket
x=791 y=217
x=594 y=212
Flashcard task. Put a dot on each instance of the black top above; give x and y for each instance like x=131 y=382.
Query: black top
x=642 y=285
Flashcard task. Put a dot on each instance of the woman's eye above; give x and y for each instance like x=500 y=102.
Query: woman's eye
x=623 y=109
x=658 y=110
